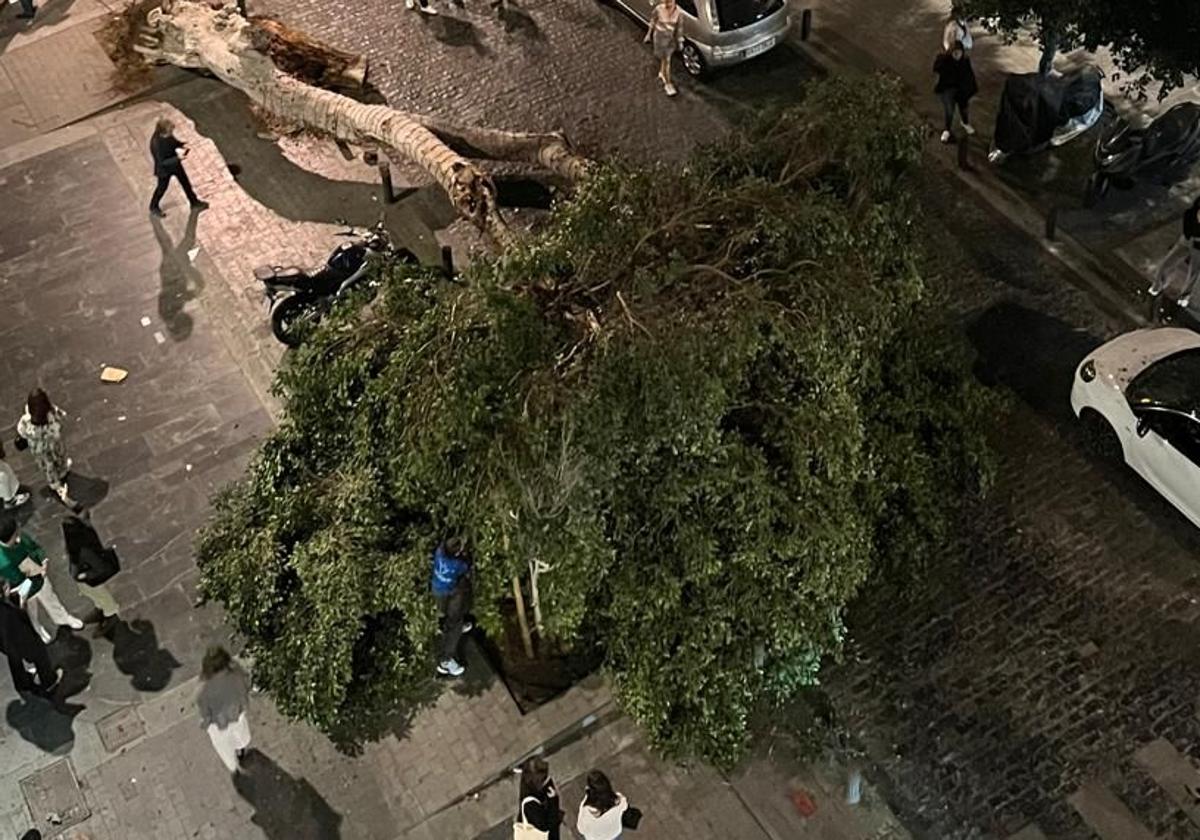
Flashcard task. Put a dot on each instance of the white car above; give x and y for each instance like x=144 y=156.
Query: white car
x=1141 y=392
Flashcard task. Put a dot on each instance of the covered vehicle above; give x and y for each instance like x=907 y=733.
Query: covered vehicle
x=1041 y=111
x=1162 y=152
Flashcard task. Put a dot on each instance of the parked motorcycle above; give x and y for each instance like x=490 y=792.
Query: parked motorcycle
x=1037 y=112
x=1162 y=151
x=298 y=297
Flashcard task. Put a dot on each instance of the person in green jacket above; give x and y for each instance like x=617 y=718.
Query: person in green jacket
x=23 y=565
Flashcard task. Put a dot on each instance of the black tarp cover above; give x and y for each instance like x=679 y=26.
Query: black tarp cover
x=1033 y=106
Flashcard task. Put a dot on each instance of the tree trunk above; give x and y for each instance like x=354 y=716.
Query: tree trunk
x=279 y=69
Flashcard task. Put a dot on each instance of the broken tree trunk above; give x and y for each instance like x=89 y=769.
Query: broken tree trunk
x=279 y=69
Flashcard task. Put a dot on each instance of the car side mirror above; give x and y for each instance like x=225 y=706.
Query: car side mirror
x=1142 y=427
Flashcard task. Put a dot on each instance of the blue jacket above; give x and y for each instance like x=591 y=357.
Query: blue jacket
x=447 y=571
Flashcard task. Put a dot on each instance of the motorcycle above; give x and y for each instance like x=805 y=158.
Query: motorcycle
x=1162 y=151
x=298 y=298
x=1037 y=112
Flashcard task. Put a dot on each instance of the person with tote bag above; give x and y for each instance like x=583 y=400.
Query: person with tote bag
x=539 y=814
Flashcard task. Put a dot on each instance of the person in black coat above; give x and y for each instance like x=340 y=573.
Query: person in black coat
x=21 y=644
x=955 y=86
x=168 y=154
x=538 y=804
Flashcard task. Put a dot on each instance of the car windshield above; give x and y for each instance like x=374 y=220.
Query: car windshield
x=734 y=14
x=1173 y=382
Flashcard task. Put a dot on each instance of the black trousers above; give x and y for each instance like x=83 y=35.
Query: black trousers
x=454 y=608
x=165 y=179
x=950 y=98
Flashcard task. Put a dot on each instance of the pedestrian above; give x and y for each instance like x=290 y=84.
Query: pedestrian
x=92 y=564
x=25 y=651
x=1185 y=251
x=23 y=565
x=452 y=589
x=40 y=431
x=223 y=699
x=423 y=5
x=168 y=153
x=602 y=809
x=11 y=494
x=955 y=86
x=666 y=33
x=538 y=804
x=955 y=29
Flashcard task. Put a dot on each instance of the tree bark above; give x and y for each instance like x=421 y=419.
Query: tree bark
x=248 y=54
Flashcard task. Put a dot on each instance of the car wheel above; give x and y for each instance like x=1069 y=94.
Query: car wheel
x=1100 y=438
x=693 y=59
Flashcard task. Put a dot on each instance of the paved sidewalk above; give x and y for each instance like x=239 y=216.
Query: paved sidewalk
x=1124 y=236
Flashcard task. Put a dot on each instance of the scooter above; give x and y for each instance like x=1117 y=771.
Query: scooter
x=297 y=297
x=1161 y=151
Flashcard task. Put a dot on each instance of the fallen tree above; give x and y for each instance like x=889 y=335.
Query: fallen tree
x=290 y=75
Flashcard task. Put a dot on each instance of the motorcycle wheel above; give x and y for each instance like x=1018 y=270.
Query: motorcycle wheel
x=289 y=317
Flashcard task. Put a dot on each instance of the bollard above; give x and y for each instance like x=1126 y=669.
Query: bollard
x=385 y=181
x=447 y=261
x=1052 y=223
x=805 y=24
x=854 y=787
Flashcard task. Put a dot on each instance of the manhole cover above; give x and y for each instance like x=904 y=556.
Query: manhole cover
x=120 y=728
x=54 y=798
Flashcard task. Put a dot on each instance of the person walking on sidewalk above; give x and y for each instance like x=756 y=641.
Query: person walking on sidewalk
x=601 y=810
x=11 y=494
x=955 y=86
x=23 y=566
x=666 y=34
x=168 y=154
x=92 y=564
x=40 y=431
x=1185 y=251
x=223 y=699
x=955 y=30
x=452 y=589
x=26 y=652
x=538 y=804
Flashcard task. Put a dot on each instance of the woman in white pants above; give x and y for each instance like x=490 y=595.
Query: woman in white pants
x=223 y=699
x=23 y=565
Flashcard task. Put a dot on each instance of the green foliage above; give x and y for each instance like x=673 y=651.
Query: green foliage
x=713 y=400
x=1153 y=41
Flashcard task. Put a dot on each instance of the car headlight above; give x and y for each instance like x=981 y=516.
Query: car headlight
x=1087 y=371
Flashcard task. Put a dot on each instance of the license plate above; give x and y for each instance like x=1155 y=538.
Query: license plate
x=759 y=48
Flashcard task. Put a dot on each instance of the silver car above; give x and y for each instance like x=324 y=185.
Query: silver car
x=721 y=32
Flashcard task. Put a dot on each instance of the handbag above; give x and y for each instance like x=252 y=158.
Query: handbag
x=522 y=830
x=631 y=818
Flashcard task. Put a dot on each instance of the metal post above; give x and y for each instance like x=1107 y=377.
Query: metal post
x=805 y=24
x=385 y=180
x=1052 y=223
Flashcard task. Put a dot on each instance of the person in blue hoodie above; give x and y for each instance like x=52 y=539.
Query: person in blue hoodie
x=452 y=588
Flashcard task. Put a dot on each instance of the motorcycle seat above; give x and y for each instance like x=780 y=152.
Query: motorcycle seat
x=269 y=273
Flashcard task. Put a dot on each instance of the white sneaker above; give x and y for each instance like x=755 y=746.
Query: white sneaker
x=450 y=668
x=1154 y=291
x=969 y=129
x=410 y=4
x=945 y=136
x=670 y=89
x=468 y=626
x=17 y=500
x=1184 y=301
x=427 y=9
x=74 y=623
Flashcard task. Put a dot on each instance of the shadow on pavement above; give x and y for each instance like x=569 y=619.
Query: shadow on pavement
x=86 y=490
x=49 y=723
x=285 y=808
x=49 y=12
x=456 y=32
x=1032 y=353
x=181 y=282
x=137 y=654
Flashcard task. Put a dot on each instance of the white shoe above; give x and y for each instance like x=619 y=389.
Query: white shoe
x=450 y=668
x=74 y=623
x=17 y=500
x=410 y=4
x=468 y=626
x=30 y=667
x=969 y=129
x=946 y=137
x=1184 y=301
x=670 y=89
x=427 y=9
x=43 y=633
x=1154 y=291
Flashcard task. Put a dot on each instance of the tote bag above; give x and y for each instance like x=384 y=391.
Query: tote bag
x=523 y=830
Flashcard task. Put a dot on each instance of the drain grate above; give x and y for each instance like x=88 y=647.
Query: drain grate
x=54 y=798
x=120 y=728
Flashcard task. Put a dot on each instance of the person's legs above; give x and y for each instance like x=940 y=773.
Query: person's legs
x=223 y=743
x=947 y=98
x=239 y=733
x=182 y=177
x=1192 y=271
x=455 y=610
x=20 y=678
x=160 y=189
x=964 y=111
x=27 y=8
x=47 y=598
